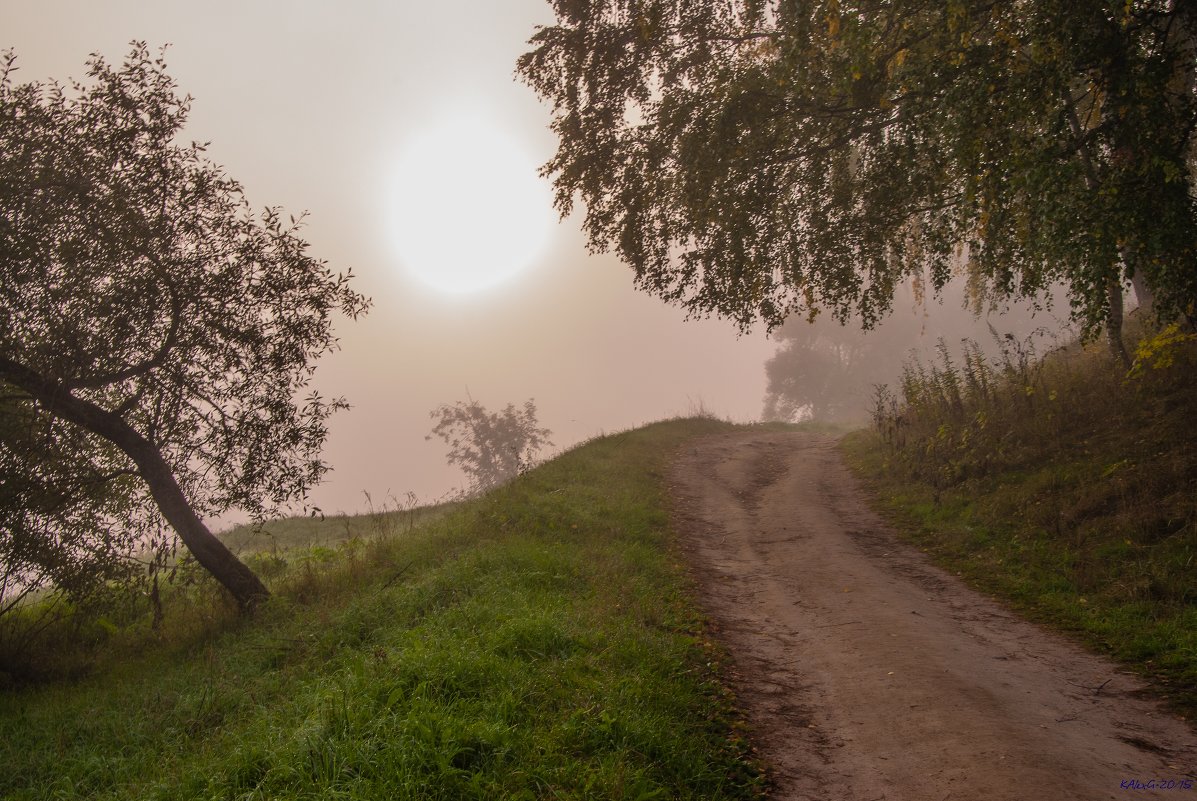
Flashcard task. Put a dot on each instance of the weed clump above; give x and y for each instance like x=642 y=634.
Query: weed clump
x=1063 y=482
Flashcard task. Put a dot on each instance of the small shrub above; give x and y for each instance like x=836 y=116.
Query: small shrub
x=491 y=448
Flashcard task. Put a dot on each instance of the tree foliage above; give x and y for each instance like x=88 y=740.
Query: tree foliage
x=491 y=448
x=157 y=335
x=757 y=159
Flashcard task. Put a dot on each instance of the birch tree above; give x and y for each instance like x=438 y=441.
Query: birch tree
x=760 y=159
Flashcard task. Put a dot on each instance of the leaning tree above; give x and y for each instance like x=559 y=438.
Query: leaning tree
x=61 y=501
x=157 y=336
x=759 y=158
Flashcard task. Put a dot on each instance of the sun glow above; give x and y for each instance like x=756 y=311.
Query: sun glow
x=468 y=210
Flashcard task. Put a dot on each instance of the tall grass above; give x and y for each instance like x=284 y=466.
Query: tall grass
x=537 y=642
x=1060 y=482
x=54 y=635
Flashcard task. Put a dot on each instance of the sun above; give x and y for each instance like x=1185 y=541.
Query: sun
x=468 y=210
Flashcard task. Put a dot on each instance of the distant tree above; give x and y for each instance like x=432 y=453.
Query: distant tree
x=826 y=371
x=156 y=335
x=817 y=373
x=759 y=159
x=491 y=448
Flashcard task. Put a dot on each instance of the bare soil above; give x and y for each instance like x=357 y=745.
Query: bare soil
x=867 y=673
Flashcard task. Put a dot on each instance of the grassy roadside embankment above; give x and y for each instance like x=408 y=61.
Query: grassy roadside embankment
x=1061 y=485
x=538 y=642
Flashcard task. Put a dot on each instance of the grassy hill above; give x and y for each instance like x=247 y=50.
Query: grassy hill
x=1064 y=485
x=538 y=642
x=541 y=641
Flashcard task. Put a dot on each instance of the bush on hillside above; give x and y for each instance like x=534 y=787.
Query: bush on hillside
x=1078 y=449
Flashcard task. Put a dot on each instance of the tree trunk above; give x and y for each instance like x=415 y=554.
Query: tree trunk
x=1143 y=294
x=1114 y=322
x=210 y=552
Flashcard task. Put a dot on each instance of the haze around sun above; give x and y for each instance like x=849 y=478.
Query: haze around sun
x=312 y=107
x=467 y=210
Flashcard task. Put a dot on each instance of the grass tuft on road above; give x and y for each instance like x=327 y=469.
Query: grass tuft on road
x=537 y=642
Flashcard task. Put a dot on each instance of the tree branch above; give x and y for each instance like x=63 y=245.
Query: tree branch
x=152 y=363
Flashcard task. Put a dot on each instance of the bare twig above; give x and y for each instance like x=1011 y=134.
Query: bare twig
x=395 y=577
x=1096 y=690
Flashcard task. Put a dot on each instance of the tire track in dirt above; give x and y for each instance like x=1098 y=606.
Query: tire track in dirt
x=869 y=674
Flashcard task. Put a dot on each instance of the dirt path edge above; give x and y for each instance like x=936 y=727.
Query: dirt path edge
x=868 y=673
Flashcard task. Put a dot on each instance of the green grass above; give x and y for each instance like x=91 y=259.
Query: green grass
x=1065 y=488
x=391 y=517
x=538 y=642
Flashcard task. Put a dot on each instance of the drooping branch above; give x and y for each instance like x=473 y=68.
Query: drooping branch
x=782 y=146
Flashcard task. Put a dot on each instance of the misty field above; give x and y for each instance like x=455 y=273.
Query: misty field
x=539 y=641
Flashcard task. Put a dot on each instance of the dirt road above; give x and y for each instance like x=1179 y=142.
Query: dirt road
x=869 y=674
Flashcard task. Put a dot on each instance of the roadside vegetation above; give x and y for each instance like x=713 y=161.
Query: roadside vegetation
x=536 y=642
x=1062 y=483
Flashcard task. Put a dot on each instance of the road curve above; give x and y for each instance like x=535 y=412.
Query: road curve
x=868 y=674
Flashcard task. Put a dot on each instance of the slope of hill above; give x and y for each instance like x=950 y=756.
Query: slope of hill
x=536 y=642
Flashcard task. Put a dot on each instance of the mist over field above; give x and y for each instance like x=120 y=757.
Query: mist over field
x=829 y=371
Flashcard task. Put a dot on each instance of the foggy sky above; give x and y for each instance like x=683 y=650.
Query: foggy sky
x=306 y=106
